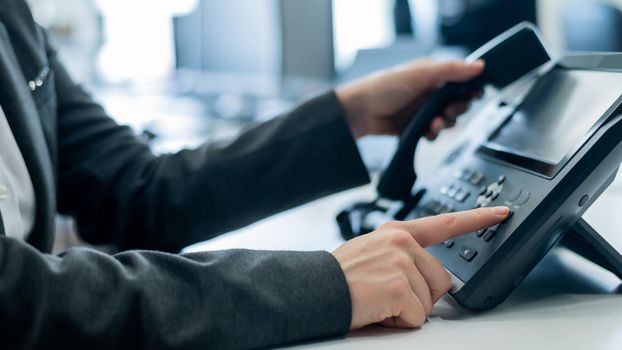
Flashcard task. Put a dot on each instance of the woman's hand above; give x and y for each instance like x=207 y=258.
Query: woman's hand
x=384 y=103
x=392 y=279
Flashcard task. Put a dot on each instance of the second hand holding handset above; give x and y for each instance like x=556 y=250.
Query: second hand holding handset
x=508 y=57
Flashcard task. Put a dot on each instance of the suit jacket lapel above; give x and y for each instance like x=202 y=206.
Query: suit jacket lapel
x=23 y=117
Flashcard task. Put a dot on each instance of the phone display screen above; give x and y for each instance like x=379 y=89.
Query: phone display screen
x=555 y=118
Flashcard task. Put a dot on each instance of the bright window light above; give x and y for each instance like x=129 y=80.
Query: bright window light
x=138 y=38
x=360 y=24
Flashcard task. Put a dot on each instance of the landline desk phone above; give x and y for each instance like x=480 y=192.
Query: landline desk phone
x=547 y=154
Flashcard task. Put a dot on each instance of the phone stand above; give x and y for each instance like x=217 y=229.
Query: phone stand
x=586 y=242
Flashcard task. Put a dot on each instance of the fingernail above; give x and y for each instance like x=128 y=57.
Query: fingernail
x=501 y=210
x=477 y=64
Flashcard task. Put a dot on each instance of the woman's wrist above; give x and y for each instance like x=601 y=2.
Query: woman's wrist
x=351 y=101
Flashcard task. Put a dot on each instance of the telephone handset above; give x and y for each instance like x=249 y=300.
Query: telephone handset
x=547 y=157
x=508 y=57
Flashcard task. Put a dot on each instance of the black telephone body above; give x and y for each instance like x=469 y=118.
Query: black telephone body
x=548 y=155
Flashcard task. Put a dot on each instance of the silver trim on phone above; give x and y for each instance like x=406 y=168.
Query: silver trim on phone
x=456 y=283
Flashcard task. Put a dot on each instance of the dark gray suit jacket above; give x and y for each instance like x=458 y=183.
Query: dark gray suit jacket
x=84 y=165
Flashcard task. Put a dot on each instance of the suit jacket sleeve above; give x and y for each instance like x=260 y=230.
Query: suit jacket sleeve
x=84 y=299
x=119 y=192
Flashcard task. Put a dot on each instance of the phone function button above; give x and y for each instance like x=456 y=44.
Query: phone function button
x=494 y=196
x=467 y=253
x=481 y=232
x=452 y=191
x=510 y=215
x=464 y=174
x=524 y=198
x=489 y=235
x=501 y=180
x=483 y=191
x=515 y=195
x=435 y=207
x=449 y=243
x=462 y=195
x=455 y=153
x=476 y=178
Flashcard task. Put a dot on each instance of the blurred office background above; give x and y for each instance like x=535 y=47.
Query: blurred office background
x=184 y=72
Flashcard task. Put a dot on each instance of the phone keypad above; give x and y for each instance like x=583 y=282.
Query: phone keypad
x=474 y=178
x=456 y=191
x=490 y=193
x=460 y=191
x=462 y=195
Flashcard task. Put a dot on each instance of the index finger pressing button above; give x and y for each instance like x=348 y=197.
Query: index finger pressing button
x=437 y=229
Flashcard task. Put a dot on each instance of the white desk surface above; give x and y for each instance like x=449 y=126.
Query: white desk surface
x=565 y=303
